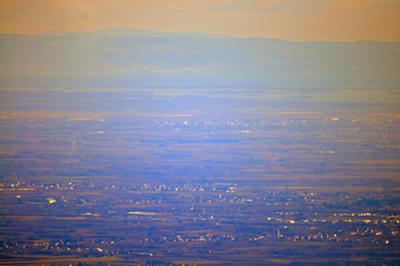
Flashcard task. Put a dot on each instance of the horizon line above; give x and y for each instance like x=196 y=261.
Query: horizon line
x=199 y=34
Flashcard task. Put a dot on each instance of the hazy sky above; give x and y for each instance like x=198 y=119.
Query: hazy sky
x=287 y=19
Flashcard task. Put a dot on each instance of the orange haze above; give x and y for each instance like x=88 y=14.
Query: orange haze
x=287 y=19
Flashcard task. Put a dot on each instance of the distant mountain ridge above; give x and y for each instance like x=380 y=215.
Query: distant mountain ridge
x=132 y=58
